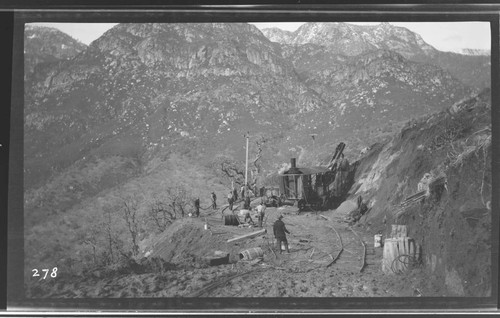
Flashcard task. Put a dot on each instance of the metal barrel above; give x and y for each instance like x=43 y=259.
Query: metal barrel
x=251 y=253
x=231 y=220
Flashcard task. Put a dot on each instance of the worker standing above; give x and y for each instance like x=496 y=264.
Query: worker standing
x=197 y=207
x=261 y=208
x=214 y=201
x=279 y=230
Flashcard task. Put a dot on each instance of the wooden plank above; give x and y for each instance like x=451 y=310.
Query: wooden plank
x=418 y=194
x=400 y=244
x=390 y=246
x=413 y=198
x=393 y=230
x=399 y=230
x=324 y=217
x=406 y=251
x=403 y=231
x=247 y=236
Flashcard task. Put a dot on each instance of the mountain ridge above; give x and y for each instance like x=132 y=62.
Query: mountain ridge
x=351 y=40
x=195 y=88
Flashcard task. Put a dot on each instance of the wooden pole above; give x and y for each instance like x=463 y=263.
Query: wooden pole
x=249 y=235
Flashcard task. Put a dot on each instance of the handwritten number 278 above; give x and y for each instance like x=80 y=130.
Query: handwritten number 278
x=53 y=274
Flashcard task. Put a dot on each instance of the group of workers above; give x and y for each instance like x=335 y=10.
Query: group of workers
x=232 y=197
x=279 y=228
x=197 y=204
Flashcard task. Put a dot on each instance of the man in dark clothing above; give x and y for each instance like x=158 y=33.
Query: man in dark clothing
x=214 y=201
x=279 y=230
x=197 y=207
x=235 y=195
x=247 y=203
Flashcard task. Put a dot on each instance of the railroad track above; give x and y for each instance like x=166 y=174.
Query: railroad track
x=357 y=253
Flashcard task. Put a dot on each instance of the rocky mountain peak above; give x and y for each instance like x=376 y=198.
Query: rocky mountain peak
x=51 y=41
x=350 y=39
x=205 y=43
x=278 y=35
x=44 y=45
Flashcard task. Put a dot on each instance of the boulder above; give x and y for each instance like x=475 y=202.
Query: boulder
x=347 y=207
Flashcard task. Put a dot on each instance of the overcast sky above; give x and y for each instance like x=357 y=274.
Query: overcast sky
x=444 y=36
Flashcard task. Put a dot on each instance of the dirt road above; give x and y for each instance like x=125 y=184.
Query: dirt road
x=321 y=263
x=309 y=270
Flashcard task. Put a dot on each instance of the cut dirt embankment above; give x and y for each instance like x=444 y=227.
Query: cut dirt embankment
x=453 y=224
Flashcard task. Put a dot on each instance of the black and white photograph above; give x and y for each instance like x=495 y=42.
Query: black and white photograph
x=257 y=160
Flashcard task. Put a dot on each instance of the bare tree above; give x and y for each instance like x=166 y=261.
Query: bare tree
x=158 y=214
x=130 y=208
x=229 y=169
x=178 y=201
x=171 y=205
x=109 y=232
x=91 y=239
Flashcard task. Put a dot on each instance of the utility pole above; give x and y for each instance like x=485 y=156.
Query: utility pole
x=246 y=166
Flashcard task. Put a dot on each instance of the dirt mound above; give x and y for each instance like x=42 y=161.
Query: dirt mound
x=182 y=237
x=186 y=242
